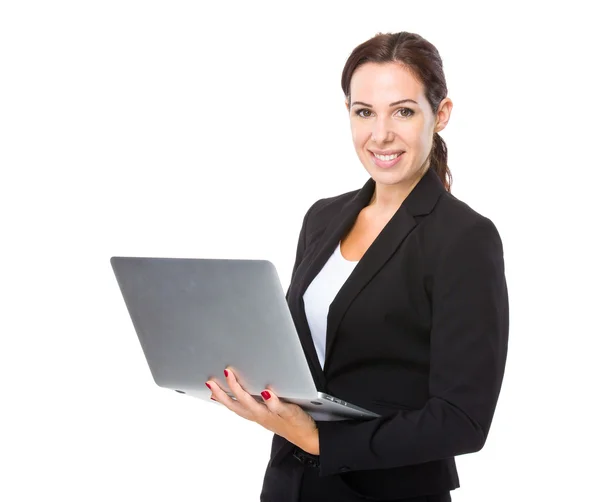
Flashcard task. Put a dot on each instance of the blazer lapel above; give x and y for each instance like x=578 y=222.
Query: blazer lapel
x=312 y=264
x=419 y=201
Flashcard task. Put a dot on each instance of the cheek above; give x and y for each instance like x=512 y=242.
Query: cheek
x=359 y=136
x=424 y=137
x=426 y=140
x=415 y=136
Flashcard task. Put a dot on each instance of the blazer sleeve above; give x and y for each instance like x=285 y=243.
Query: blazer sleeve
x=469 y=341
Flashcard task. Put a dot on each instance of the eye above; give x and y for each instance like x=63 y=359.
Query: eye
x=362 y=111
x=409 y=114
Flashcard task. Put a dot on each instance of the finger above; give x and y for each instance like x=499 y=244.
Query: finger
x=222 y=397
x=247 y=400
x=278 y=407
x=212 y=385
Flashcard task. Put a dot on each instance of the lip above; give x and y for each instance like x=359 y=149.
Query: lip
x=386 y=164
x=388 y=152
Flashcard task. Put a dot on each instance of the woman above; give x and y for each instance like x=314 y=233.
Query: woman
x=399 y=297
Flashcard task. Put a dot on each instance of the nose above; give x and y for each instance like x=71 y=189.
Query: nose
x=382 y=132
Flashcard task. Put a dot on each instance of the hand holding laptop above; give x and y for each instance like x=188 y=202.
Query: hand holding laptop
x=195 y=317
x=287 y=420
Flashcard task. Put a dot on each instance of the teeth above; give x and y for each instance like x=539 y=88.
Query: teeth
x=386 y=157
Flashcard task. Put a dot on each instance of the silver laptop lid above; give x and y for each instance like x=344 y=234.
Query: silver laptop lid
x=194 y=317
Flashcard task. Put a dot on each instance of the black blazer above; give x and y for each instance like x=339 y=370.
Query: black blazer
x=418 y=333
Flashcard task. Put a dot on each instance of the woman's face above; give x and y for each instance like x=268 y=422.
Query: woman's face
x=392 y=122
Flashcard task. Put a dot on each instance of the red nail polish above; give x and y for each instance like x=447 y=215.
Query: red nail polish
x=226 y=373
x=208 y=385
x=266 y=394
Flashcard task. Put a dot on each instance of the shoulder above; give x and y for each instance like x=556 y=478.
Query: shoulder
x=331 y=204
x=452 y=217
x=322 y=210
x=456 y=233
x=457 y=213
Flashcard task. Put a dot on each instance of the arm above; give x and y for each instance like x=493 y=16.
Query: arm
x=469 y=338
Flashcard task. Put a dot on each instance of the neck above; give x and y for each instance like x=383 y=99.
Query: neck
x=388 y=198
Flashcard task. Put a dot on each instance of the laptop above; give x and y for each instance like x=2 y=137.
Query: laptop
x=195 y=317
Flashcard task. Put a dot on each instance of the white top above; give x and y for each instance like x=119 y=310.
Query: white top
x=321 y=292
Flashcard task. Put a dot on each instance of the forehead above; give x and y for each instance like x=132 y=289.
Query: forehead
x=384 y=83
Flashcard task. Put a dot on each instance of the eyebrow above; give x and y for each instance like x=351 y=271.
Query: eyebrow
x=391 y=104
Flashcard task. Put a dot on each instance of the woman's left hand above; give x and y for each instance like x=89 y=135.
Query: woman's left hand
x=284 y=419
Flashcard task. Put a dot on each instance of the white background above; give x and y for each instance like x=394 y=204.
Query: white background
x=177 y=129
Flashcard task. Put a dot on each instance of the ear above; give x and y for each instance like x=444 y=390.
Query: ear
x=443 y=114
x=347 y=104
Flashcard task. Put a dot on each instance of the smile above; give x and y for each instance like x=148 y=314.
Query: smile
x=386 y=161
x=387 y=157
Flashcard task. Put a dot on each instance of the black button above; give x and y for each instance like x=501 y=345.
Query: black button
x=305 y=458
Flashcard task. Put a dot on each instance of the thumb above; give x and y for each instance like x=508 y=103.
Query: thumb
x=275 y=405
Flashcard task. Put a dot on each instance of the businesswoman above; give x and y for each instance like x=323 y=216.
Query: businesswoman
x=399 y=297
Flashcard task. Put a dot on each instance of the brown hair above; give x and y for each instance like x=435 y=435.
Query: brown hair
x=423 y=60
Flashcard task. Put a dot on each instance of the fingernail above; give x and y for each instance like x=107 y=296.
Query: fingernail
x=266 y=394
x=226 y=373
x=208 y=385
x=213 y=398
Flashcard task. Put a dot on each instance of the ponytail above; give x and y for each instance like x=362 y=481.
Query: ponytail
x=439 y=161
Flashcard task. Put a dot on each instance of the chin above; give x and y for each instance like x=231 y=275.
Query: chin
x=391 y=177
x=395 y=175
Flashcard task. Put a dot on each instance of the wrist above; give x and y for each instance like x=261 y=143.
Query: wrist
x=312 y=445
